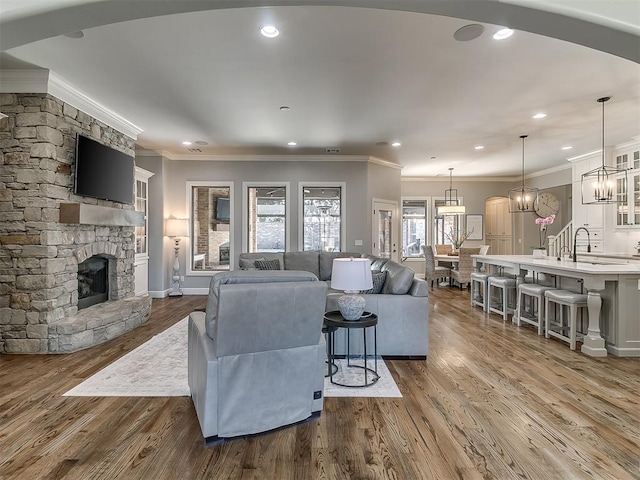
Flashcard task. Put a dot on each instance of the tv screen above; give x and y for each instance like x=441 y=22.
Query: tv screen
x=103 y=172
x=222 y=209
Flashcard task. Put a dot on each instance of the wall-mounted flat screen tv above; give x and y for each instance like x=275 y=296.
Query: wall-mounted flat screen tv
x=103 y=172
x=222 y=209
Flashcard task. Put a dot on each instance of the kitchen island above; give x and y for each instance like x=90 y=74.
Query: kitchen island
x=613 y=296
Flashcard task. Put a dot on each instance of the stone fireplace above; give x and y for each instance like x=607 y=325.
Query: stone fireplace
x=47 y=234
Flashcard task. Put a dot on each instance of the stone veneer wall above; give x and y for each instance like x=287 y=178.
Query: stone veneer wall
x=39 y=256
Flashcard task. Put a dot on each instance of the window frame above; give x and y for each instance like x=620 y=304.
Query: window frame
x=189 y=247
x=427 y=225
x=343 y=210
x=245 y=211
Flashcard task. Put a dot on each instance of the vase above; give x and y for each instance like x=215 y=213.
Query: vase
x=539 y=253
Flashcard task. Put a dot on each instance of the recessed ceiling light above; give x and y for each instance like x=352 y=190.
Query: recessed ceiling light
x=502 y=34
x=186 y=142
x=479 y=147
x=540 y=115
x=201 y=142
x=75 y=35
x=269 y=31
x=468 y=32
x=382 y=144
x=284 y=108
x=568 y=147
x=396 y=144
x=292 y=144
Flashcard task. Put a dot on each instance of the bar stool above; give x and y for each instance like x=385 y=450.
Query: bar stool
x=557 y=328
x=535 y=293
x=479 y=295
x=507 y=287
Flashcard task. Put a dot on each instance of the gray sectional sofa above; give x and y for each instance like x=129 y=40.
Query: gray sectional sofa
x=401 y=306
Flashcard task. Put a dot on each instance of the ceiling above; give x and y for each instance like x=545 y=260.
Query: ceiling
x=351 y=77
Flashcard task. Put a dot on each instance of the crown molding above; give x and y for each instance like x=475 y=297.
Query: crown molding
x=60 y=88
x=267 y=158
x=45 y=81
x=582 y=156
x=24 y=81
x=548 y=171
x=445 y=179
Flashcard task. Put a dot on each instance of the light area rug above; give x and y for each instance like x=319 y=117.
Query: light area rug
x=158 y=368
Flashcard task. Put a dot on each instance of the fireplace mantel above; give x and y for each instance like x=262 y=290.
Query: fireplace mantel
x=85 y=214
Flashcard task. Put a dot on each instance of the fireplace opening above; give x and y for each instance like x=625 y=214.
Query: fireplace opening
x=93 y=282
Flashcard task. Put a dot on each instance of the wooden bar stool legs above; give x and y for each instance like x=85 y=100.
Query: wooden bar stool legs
x=557 y=327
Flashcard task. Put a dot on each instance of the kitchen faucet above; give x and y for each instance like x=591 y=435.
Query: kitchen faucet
x=575 y=238
x=562 y=250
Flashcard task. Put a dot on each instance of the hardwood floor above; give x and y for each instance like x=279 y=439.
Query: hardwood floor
x=492 y=401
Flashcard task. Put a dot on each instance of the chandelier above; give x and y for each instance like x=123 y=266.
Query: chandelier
x=523 y=199
x=451 y=205
x=598 y=185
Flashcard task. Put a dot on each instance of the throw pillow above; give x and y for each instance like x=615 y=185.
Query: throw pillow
x=378 y=282
x=249 y=263
x=268 y=264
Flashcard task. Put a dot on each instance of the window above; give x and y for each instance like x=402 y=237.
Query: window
x=266 y=225
x=322 y=219
x=211 y=220
x=444 y=224
x=414 y=227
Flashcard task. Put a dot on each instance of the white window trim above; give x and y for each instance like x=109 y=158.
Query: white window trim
x=245 y=211
x=343 y=211
x=189 y=246
x=428 y=223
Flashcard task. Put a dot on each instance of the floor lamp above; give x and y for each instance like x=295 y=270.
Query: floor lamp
x=176 y=228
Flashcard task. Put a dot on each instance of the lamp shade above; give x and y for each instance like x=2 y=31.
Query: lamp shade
x=176 y=227
x=351 y=274
x=451 y=210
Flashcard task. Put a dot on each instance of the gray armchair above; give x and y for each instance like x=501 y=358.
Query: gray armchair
x=256 y=356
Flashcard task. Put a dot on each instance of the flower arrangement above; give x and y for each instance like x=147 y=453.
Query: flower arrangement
x=457 y=237
x=544 y=223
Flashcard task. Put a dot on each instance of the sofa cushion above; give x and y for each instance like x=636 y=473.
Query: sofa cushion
x=399 y=278
x=246 y=261
x=376 y=262
x=378 y=279
x=268 y=264
x=326 y=262
x=304 y=261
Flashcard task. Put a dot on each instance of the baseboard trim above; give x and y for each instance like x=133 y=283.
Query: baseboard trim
x=195 y=291
x=159 y=293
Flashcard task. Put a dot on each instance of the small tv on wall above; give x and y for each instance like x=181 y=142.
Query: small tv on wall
x=222 y=210
x=103 y=172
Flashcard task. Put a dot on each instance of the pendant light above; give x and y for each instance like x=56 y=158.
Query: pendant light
x=451 y=205
x=598 y=185
x=523 y=199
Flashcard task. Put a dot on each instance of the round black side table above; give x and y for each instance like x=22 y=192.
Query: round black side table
x=333 y=321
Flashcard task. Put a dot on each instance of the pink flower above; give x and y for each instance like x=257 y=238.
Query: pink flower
x=544 y=222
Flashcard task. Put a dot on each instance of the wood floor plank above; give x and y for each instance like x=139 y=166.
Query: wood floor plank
x=492 y=401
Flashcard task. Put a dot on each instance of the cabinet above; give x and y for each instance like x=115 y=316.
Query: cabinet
x=499 y=226
x=628 y=210
x=588 y=216
x=141 y=262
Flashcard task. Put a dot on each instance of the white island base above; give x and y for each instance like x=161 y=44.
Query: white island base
x=613 y=297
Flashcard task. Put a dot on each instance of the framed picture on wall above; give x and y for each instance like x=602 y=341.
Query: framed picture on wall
x=474 y=225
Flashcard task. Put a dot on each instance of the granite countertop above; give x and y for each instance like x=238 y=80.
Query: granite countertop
x=564 y=265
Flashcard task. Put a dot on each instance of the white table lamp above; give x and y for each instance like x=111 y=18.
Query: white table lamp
x=351 y=275
x=176 y=228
